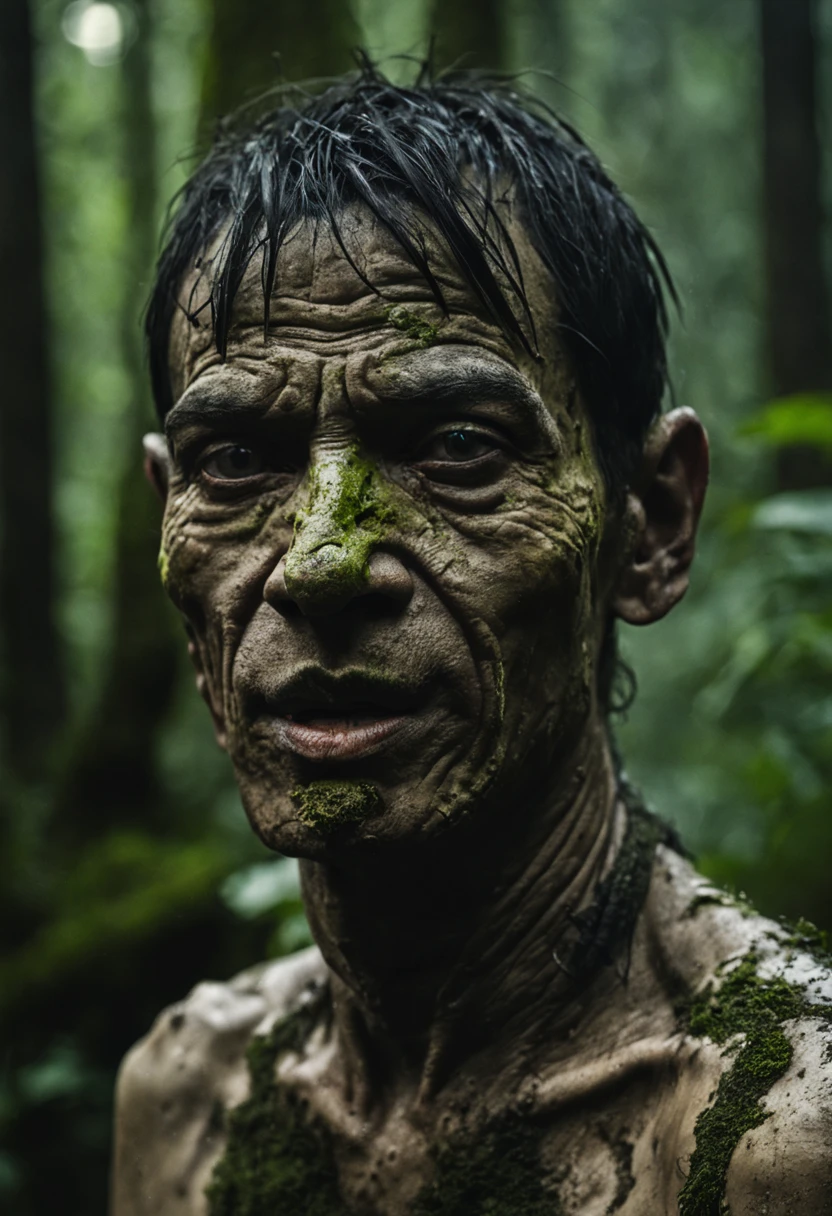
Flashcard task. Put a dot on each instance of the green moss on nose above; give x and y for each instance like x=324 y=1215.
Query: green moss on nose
x=340 y=526
x=329 y=805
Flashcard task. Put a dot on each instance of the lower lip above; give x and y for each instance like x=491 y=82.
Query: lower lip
x=338 y=740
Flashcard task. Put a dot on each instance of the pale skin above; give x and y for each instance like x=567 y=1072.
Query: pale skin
x=440 y=643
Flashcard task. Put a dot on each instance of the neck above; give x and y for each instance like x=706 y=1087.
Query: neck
x=444 y=952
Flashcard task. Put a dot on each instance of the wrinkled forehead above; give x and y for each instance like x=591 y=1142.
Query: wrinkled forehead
x=328 y=280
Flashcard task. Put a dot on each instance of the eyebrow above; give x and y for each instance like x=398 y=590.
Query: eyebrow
x=473 y=382
x=199 y=410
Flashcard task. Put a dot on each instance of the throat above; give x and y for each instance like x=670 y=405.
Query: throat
x=469 y=944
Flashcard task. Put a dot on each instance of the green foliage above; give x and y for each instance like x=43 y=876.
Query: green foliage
x=801 y=418
x=124 y=888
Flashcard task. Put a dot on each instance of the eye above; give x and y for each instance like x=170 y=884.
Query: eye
x=459 y=446
x=233 y=463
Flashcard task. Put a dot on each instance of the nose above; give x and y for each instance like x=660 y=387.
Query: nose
x=332 y=559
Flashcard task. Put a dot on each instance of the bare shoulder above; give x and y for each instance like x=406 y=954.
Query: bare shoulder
x=761 y=993
x=174 y=1084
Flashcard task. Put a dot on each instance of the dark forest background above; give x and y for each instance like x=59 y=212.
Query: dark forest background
x=127 y=872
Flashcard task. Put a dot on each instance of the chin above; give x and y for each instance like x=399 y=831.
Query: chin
x=408 y=790
x=330 y=817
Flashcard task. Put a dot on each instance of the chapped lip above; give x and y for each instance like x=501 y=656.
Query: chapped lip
x=325 y=716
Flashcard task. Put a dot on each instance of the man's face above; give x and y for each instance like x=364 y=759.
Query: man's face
x=383 y=527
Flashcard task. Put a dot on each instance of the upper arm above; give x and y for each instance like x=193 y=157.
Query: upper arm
x=175 y=1085
x=784 y=1166
x=171 y=1091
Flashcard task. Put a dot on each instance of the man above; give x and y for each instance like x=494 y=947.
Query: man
x=408 y=347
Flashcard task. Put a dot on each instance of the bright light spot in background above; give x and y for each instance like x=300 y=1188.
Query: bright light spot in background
x=98 y=29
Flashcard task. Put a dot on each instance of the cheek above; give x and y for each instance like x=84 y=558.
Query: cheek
x=214 y=566
x=531 y=562
x=538 y=585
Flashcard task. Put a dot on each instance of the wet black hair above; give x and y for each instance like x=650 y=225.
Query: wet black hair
x=448 y=149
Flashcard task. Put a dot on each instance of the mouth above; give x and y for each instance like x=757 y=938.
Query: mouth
x=321 y=717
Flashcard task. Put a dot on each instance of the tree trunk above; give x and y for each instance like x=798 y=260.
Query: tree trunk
x=469 y=34
x=797 y=323
x=112 y=778
x=255 y=45
x=32 y=686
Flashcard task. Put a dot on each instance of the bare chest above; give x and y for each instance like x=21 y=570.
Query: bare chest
x=616 y=1150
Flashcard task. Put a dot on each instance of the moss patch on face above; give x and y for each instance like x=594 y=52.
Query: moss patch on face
x=278 y=1159
x=340 y=526
x=421 y=332
x=745 y=1005
x=496 y=1172
x=163 y=564
x=329 y=805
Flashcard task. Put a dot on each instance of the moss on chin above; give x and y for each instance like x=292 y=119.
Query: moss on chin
x=421 y=332
x=329 y=805
x=745 y=1005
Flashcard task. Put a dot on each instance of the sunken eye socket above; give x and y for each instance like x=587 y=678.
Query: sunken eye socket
x=459 y=446
x=233 y=463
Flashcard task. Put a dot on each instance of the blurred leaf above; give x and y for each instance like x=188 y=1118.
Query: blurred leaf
x=292 y=933
x=261 y=888
x=805 y=418
x=801 y=511
x=62 y=1074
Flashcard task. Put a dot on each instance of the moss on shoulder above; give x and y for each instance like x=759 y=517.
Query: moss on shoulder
x=278 y=1160
x=744 y=1005
x=720 y=899
x=329 y=805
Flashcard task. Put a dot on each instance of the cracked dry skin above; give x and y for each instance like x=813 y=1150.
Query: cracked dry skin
x=399 y=650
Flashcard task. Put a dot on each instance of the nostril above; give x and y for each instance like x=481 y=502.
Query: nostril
x=389 y=579
x=275 y=592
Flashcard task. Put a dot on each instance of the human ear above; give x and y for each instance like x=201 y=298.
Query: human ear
x=157 y=463
x=662 y=516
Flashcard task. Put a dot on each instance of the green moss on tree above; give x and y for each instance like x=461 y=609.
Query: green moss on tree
x=744 y=1005
x=329 y=805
